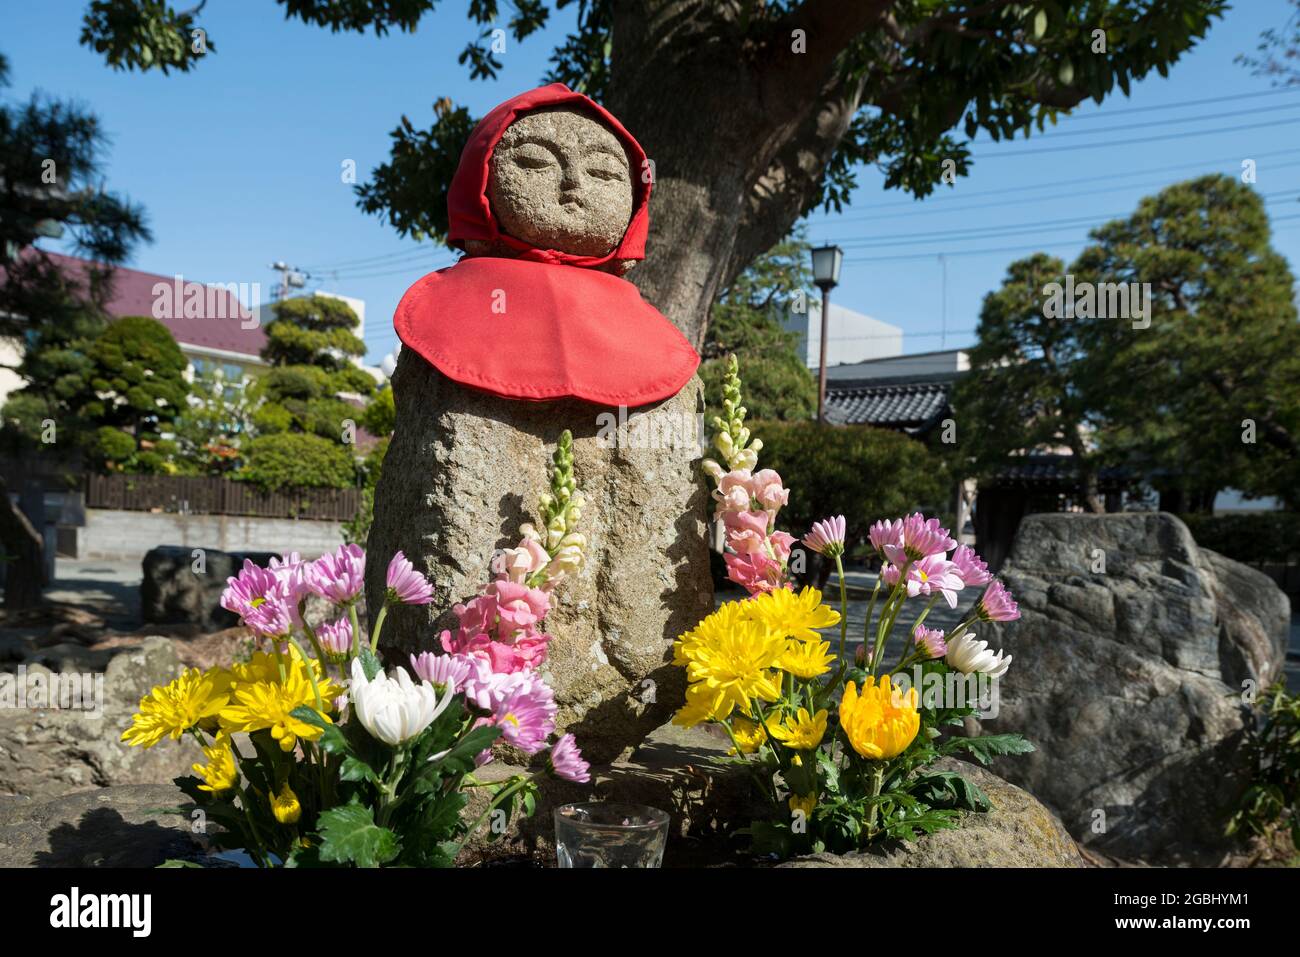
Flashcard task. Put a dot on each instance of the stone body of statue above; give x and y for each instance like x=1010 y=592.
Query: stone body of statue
x=532 y=332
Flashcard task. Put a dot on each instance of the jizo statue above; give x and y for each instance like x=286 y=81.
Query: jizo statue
x=535 y=331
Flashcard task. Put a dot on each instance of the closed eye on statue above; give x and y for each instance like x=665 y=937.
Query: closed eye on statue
x=606 y=174
x=533 y=159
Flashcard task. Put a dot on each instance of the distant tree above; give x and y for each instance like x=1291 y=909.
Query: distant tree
x=1197 y=387
x=310 y=345
x=746 y=320
x=297 y=460
x=1208 y=396
x=754 y=113
x=380 y=416
x=1022 y=393
x=135 y=384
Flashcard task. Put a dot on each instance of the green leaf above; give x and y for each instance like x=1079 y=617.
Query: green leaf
x=985 y=748
x=331 y=740
x=173 y=862
x=461 y=757
x=948 y=789
x=354 y=769
x=369 y=663
x=1040 y=24
x=350 y=834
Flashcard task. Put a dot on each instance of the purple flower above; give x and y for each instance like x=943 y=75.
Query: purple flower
x=336 y=639
x=970 y=566
x=443 y=671
x=921 y=538
x=405 y=584
x=827 y=537
x=339 y=577
x=884 y=534
x=521 y=704
x=929 y=576
x=259 y=597
x=996 y=604
x=567 y=763
x=292 y=572
x=930 y=641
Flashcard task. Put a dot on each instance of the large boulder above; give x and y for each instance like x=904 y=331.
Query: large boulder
x=46 y=752
x=465 y=468
x=1134 y=659
x=1018 y=832
x=180 y=587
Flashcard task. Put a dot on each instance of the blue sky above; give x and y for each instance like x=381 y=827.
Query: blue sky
x=238 y=162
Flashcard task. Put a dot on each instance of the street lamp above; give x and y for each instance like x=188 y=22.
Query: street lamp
x=826 y=262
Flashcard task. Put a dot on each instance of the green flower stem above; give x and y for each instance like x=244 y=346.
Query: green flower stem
x=311 y=673
x=379 y=624
x=315 y=644
x=259 y=850
x=492 y=806
x=877 y=779
x=356 y=628
x=871 y=609
x=844 y=604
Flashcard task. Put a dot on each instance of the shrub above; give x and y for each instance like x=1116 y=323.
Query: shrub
x=293 y=459
x=108 y=444
x=1253 y=538
x=863 y=472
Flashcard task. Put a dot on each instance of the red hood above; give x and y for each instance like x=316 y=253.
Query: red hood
x=470 y=213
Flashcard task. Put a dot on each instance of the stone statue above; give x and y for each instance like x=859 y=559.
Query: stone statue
x=533 y=332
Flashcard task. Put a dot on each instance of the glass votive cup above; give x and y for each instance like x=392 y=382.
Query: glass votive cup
x=604 y=834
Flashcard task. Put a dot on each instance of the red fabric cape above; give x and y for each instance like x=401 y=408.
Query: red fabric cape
x=545 y=325
x=528 y=330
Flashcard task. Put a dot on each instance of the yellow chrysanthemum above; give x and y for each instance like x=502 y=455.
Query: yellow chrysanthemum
x=800 y=732
x=793 y=614
x=709 y=631
x=221 y=773
x=735 y=666
x=880 y=722
x=749 y=735
x=172 y=709
x=806 y=659
x=804 y=803
x=264 y=705
x=285 y=805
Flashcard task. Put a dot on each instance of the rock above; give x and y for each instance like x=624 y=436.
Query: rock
x=172 y=592
x=465 y=468
x=46 y=752
x=1129 y=679
x=124 y=826
x=537 y=159
x=1018 y=832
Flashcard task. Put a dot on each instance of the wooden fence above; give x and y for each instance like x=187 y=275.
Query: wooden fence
x=213 y=495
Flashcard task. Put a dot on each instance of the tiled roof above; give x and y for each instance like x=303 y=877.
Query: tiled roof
x=1042 y=469
x=220 y=319
x=911 y=406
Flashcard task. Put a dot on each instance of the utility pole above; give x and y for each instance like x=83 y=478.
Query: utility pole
x=290 y=276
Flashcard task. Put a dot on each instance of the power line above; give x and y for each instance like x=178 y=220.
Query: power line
x=1172 y=121
x=379 y=259
x=1106 y=114
x=997 y=154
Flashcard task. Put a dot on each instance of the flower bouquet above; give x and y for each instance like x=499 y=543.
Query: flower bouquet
x=842 y=747
x=314 y=755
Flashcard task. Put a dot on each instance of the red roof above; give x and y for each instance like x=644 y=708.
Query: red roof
x=197 y=315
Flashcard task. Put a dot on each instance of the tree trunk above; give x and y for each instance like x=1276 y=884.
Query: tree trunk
x=24 y=554
x=739 y=134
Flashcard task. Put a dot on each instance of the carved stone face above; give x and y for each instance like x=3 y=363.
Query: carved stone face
x=560 y=180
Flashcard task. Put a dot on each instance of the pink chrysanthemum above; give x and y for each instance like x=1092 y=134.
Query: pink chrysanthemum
x=405 y=584
x=921 y=538
x=929 y=576
x=444 y=672
x=336 y=638
x=567 y=762
x=970 y=566
x=885 y=533
x=339 y=577
x=521 y=704
x=827 y=537
x=996 y=604
x=259 y=597
x=930 y=641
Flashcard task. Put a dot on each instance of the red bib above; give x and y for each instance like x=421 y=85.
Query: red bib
x=532 y=330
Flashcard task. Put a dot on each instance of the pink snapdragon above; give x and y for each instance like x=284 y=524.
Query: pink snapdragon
x=567 y=762
x=766 y=488
x=518 y=607
x=996 y=604
x=405 y=584
x=969 y=566
x=339 y=577
x=519 y=564
x=827 y=537
x=504 y=647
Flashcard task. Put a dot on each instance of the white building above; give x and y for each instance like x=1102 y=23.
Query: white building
x=851 y=336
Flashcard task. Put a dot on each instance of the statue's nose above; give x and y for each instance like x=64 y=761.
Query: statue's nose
x=570 y=178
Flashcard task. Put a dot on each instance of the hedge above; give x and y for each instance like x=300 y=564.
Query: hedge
x=1252 y=537
x=297 y=459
